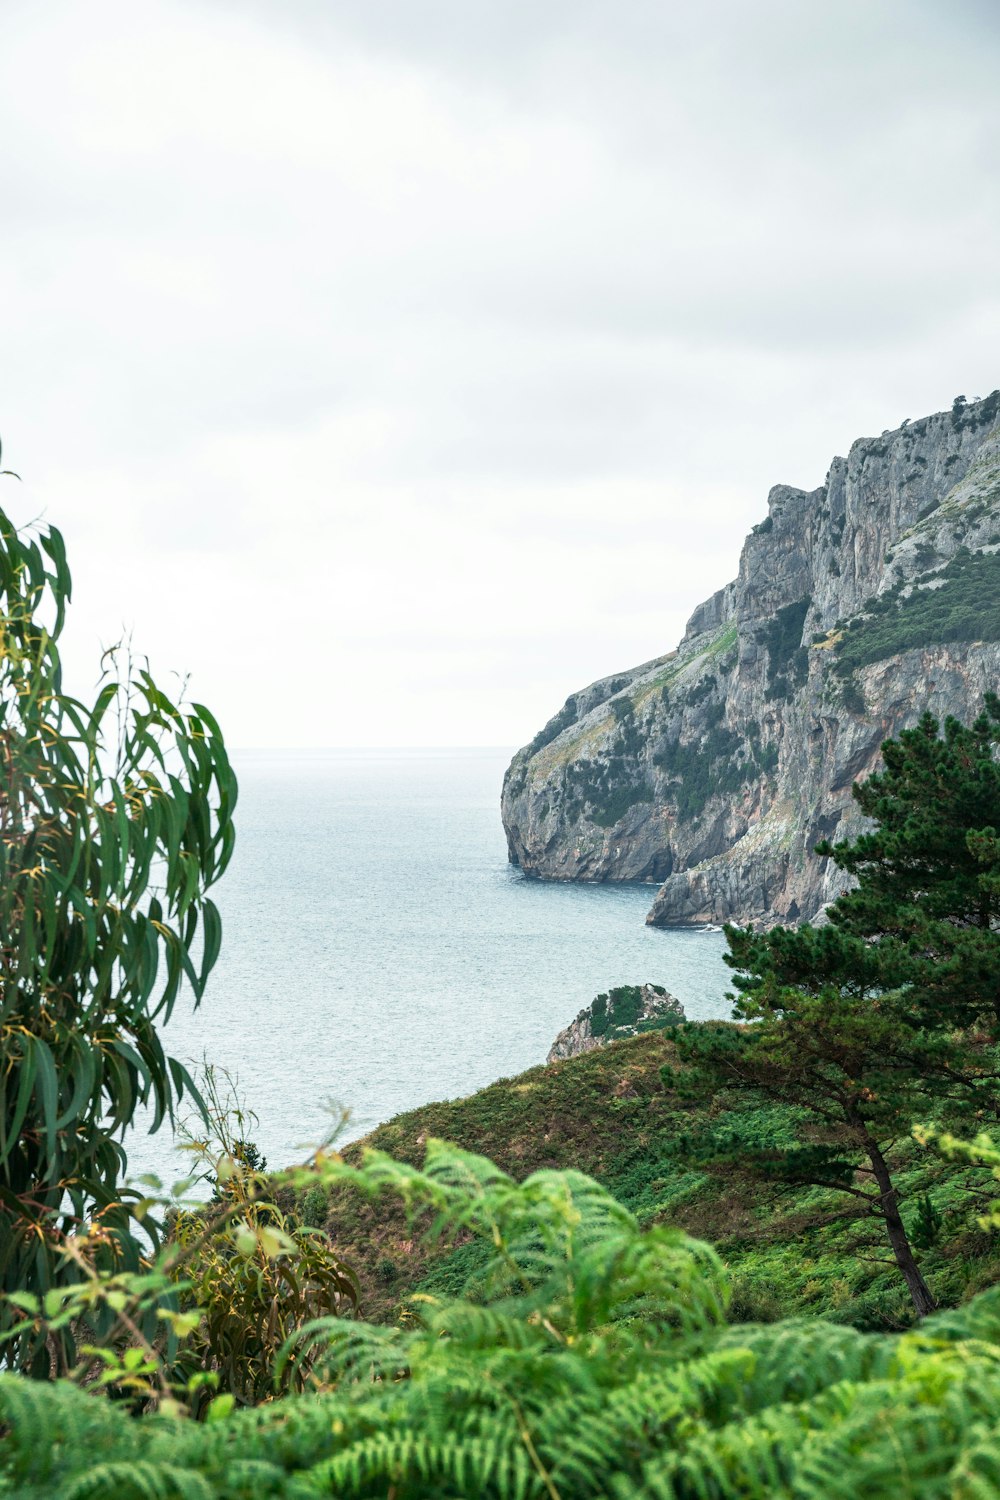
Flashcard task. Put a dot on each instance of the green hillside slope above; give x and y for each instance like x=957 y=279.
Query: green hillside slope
x=609 y=1114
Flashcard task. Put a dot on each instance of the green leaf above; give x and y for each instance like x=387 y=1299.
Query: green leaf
x=83 y=1085
x=245 y=1241
x=48 y=1090
x=221 y=1407
x=27 y=1301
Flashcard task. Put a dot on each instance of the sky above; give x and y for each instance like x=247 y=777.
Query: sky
x=394 y=369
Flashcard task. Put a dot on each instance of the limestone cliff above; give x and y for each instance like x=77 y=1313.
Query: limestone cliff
x=714 y=770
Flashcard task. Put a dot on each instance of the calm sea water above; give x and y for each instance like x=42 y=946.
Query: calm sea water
x=379 y=950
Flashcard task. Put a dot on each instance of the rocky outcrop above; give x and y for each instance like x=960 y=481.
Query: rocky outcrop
x=622 y=1012
x=714 y=770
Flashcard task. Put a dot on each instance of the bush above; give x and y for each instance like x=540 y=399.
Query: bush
x=706 y=767
x=606 y=789
x=597 y=1361
x=965 y=608
x=787 y=658
x=313 y=1208
x=702 y=690
x=852 y=697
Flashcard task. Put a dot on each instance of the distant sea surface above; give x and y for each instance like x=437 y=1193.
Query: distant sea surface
x=379 y=951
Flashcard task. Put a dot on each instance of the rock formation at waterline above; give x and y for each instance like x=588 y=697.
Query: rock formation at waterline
x=622 y=1012
x=715 y=769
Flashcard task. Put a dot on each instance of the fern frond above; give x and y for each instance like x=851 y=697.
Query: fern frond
x=978 y=1319
x=795 y=1359
x=138 y=1481
x=470 y=1468
x=44 y=1421
x=603 y=1370
x=346 y=1350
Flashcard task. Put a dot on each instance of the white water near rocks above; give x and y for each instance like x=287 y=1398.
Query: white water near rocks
x=379 y=950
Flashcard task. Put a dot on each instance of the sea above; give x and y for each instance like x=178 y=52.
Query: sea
x=380 y=952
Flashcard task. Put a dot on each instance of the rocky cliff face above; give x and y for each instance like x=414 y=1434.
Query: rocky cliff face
x=714 y=770
x=621 y=1013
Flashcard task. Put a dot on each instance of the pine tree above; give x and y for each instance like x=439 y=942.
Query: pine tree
x=868 y=1024
x=925 y=911
x=838 y=1084
x=929 y=872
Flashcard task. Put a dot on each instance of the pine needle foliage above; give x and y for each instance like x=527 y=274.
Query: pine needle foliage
x=924 y=911
x=927 y=898
x=888 y=1013
x=599 y=1363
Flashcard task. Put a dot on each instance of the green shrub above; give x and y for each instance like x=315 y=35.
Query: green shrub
x=607 y=805
x=702 y=690
x=619 y=1007
x=965 y=417
x=554 y=728
x=625 y=1005
x=966 y=607
x=594 y=1360
x=313 y=1208
x=605 y=789
x=787 y=658
x=706 y=767
x=852 y=696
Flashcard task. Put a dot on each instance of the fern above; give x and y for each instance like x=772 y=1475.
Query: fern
x=139 y=1481
x=597 y=1364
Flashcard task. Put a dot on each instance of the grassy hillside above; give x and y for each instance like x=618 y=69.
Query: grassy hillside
x=609 y=1114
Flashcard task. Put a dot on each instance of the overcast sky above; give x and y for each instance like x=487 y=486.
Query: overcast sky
x=396 y=367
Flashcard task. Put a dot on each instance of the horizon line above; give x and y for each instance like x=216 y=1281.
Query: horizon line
x=307 y=749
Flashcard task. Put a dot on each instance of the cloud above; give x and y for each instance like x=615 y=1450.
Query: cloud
x=339 y=336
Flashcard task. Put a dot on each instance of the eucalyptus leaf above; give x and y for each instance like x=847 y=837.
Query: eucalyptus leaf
x=115 y=822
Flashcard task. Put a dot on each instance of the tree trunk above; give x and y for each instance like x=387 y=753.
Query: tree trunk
x=919 y=1291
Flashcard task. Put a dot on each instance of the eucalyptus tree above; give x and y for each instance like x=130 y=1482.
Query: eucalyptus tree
x=116 y=818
